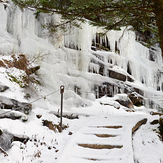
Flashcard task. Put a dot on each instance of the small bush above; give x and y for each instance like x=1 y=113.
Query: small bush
x=54 y=127
x=20 y=80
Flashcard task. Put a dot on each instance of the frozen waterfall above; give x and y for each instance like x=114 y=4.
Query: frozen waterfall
x=82 y=59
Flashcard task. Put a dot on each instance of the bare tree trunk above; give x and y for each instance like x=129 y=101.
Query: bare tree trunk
x=158 y=10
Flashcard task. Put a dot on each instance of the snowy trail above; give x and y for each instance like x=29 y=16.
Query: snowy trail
x=102 y=139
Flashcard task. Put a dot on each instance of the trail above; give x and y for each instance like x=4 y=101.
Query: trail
x=102 y=139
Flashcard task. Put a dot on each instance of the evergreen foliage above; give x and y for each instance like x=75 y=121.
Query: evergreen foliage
x=142 y=15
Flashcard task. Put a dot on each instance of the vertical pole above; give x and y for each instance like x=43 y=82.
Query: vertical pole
x=61 y=91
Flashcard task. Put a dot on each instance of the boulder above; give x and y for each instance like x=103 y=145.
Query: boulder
x=126 y=103
x=154 y=122
x=115 y=104
x=124 y=100
x=8 y=103
x=3 y=88
x=136 y=99
x=7 y=138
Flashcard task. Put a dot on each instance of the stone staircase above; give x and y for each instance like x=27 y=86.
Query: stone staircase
x=104 y=140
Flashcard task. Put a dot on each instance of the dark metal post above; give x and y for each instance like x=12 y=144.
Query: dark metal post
x=61 y=91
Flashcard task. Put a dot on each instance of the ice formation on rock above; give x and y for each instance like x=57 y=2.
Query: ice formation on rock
x=82 y=59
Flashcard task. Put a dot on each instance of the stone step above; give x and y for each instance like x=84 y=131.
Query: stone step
x=105 y=139
x=100 y=146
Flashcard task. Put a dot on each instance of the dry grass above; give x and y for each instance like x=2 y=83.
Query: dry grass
x=2 y=64
x=21 y=62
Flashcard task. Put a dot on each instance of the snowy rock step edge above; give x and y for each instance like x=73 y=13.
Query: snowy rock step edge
x=13 y=115
x=138 y=124
x=8 y=103
x=126 y=100
x=7 y=138
x=3 y=88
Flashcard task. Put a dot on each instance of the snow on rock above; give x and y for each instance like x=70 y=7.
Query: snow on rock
x=5 y=140
x=141 y=142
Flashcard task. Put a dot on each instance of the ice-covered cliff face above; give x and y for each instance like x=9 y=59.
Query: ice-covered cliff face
x=81 y=59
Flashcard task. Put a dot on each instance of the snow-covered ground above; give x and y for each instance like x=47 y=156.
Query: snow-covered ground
x=47 y=146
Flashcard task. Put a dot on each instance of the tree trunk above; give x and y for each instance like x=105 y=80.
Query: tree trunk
x=158 y=10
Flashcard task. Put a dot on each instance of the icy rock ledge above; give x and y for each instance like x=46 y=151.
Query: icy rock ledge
x=7 y=138
x=3 y=88
x=8 y=103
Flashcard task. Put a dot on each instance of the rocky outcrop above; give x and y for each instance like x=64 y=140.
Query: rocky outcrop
x=7 y=138
x=117 y=75
x=119 y=71
x=8 y=103
x=11 y=115
x=136 y=99
x=110 y=89
x=127 y=103
x=124 y=100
